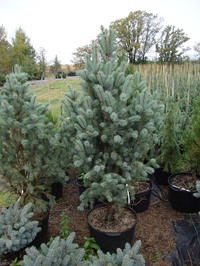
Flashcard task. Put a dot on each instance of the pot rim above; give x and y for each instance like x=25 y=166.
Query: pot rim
x=177 y=188
x=150 y=188
x=113 y=233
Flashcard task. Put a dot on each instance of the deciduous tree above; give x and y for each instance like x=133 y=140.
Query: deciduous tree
x=136 y=34
x=79 y=56
x=170 y=47
x=197 y=50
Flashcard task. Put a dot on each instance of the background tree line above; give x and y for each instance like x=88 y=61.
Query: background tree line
x=20 y=51
x=137 y=35
x=140 y=33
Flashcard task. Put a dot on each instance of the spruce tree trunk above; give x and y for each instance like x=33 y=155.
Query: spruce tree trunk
x=110 y=216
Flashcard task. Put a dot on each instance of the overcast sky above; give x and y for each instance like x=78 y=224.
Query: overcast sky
x=61 y=26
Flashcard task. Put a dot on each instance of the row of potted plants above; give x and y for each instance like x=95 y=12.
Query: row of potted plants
x=116 y=123
x=179 y=157
x=109 y=134
x=120 y=131
x=31 y=164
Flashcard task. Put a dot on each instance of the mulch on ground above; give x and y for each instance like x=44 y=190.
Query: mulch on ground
x=153 y=226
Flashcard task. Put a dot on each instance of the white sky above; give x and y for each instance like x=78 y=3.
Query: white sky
x=61 y=26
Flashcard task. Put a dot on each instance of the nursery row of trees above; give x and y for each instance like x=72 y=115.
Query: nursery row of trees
x=113 y=134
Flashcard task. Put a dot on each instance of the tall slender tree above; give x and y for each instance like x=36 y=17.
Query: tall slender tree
x=56 y=65
x=42 y=61
x=23 y=53
x=5 y=64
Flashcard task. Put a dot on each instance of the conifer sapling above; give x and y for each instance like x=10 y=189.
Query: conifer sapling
x=115 y=121
x=29 y=144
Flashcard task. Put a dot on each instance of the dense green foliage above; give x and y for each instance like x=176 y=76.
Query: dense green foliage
x=60 y=252
x=65 y=252
x=30 y=147
x=127 y=257
x=169 y=47
x=169 y=149
x=136 y=34
x=17 y=229
x=115 y=122
x=191 y=142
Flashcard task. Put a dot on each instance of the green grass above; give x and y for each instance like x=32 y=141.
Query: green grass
x=49 y=93
x=6 y=199
x=53 y=91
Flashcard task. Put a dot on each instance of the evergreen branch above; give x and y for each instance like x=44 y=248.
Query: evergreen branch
x=109 y=100
x=118 y=80
x=100 y=104
x=142 y=112
x=66 y=107
x=110 y=38
x=96 y=54
x=89 y=113
x=10 y=86
x=83 y=155
x=130 y=79
x=89 y=89
x=106 y=46
x=102 y=81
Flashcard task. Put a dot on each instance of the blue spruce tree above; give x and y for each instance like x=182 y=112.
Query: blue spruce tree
x=115 y=123
x=29 y=144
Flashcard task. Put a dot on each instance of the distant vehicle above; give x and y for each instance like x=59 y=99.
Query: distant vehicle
x=71 y=74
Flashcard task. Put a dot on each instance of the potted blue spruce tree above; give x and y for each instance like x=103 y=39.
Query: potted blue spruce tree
x=29 y=146
x=115 y=120
x=17 y=231
x=182 y=185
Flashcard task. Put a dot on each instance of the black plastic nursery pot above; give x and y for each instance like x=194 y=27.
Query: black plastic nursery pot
x=142 y=199
x=57 y=190
x=182 y=200
x=110 y=241
x=42 y=236
x=161 y=177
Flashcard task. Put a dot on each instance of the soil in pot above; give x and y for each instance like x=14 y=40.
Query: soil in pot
x=114 y=234
x=142 y=196
x=180 y=193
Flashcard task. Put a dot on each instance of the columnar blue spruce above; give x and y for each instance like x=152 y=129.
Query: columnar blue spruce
x=17 y=229
x=29 y=144
x=115 y=121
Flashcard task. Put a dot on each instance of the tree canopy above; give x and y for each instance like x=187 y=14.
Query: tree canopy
x=170 y=44
x=136 y=34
